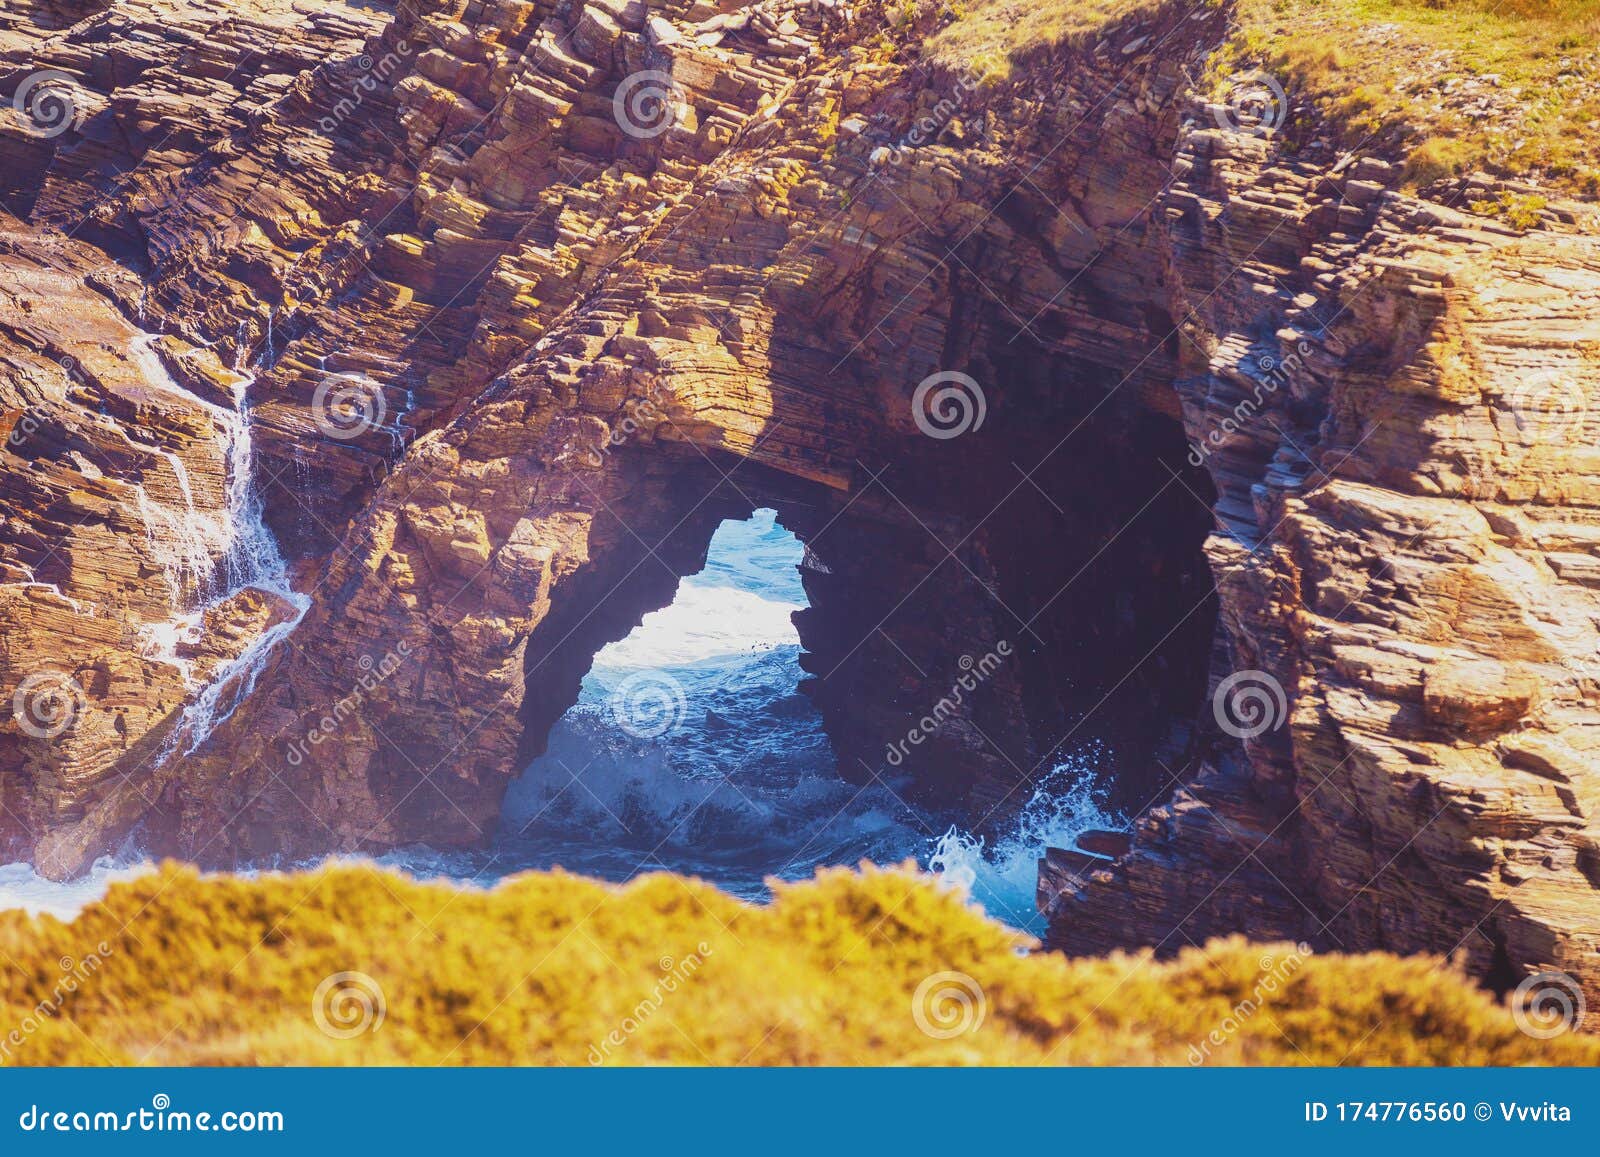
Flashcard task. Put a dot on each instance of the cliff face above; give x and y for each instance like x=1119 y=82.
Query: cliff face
x=1393 y=398
x=510 y=304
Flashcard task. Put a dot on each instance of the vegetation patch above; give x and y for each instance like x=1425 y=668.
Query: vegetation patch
x=353 y=965
x=1511 y=87
x=986 y=36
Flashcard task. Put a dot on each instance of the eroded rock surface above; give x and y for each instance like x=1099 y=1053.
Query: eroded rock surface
x=527 y=297
x=1405 y=520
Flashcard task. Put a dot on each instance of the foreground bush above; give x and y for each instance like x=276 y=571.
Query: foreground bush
x=352 y=965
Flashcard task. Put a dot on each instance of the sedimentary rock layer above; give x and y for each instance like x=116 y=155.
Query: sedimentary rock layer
x=530 y=296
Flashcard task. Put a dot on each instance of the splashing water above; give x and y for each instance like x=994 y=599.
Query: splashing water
x=742 y=786
x=1002 y=880
x=160 y=641
x=23 y=888
x=254 y=560
x=183 y=541
x=237 y=679
x=733 y=779
x=217 y=557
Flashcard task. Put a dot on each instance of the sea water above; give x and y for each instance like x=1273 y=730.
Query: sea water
x=692 y=748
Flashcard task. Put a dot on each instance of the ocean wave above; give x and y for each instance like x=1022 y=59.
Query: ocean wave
x=1002 y=879
x=22 y=887
x=703 y=622
x=736 y=783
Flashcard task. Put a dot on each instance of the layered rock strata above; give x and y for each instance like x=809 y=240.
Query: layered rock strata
x=1070 y=378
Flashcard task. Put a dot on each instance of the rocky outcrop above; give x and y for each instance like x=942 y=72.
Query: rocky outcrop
x=1220 y=461
x=1395 y=404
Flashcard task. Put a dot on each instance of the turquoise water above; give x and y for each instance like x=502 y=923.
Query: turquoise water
x=692 y=749
x=740 y=783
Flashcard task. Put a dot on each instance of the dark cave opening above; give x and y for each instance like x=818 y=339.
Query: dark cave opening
x=980 y=611
x=691 y=749
x=1069 y=530
x=1102 y=550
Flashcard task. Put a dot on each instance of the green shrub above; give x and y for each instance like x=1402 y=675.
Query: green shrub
x=554 y=969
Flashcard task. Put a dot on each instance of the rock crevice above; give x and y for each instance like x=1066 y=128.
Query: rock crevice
x=1274 y=481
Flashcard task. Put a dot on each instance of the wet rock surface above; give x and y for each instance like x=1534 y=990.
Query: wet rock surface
x=531 y=296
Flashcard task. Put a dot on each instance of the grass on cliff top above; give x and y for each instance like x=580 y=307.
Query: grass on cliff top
x=1450 y=86
x=1507 y=86
x=986 y=35
x=554 y=969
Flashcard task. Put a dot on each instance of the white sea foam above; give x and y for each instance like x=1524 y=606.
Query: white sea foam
x=744 y=788
x=643 y=798
x=22 y=887
x=1002 y=880
x=703 y=622
x=192 y=547
x=160 y=641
